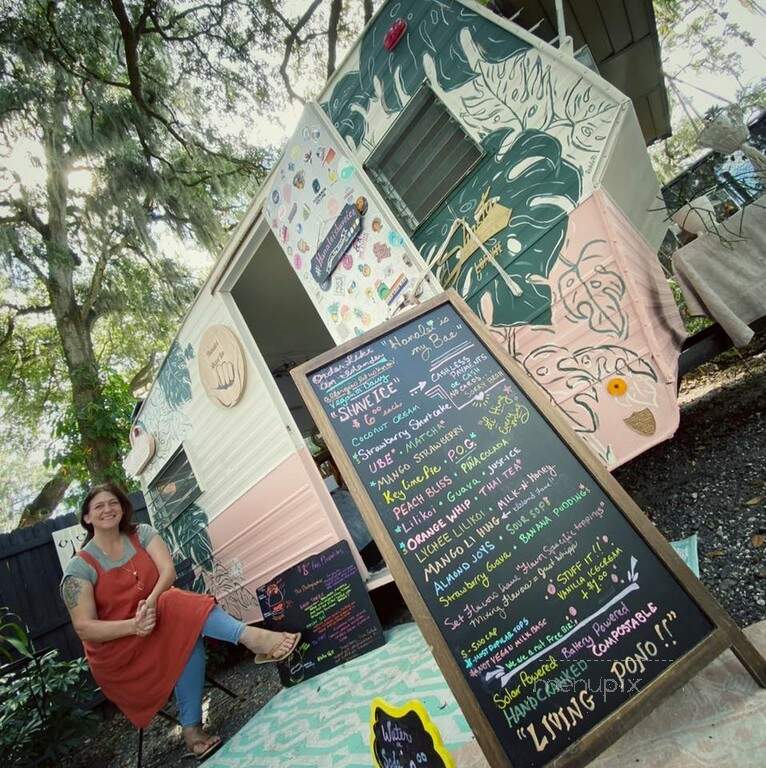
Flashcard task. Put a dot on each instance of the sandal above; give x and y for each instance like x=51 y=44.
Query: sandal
x=270 y=657
x=200 y=756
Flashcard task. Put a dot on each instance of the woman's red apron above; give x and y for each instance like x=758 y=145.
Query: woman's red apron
x=138 y=674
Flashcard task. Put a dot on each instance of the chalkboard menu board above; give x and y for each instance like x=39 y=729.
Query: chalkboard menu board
x=322 y=597
x=550 y=604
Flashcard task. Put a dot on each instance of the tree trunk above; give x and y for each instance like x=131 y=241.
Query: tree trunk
x=47 y=500
x=332 y=35
x=87 y=396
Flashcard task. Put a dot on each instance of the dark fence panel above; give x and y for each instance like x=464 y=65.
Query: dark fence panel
x=30 y=574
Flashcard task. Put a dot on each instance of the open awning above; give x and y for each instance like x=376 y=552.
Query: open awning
x=622 y=38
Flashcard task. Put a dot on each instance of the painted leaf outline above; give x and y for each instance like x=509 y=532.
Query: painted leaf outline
x=593 y=293
x=586 y=118
x=578 y=409
x=517 y=94
x=590 y=365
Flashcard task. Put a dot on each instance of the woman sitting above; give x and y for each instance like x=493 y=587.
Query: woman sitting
x=142 y=636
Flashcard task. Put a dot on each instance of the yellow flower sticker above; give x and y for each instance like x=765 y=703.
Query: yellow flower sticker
x=617 y=387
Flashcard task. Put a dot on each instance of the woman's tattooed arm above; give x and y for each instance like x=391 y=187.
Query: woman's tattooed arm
x=70 y=591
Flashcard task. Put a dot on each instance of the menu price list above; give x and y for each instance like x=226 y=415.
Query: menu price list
x=322 y=597
x=554 y=608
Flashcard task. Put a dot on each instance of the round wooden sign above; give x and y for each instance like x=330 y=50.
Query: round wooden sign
x=221 y=365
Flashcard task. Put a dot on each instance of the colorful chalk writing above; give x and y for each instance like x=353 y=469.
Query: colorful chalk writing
x=322 y=597
x=554 y=608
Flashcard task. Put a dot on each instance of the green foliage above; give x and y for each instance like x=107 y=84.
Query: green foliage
x=108 y=418
x=692 y=323
x=42 y=718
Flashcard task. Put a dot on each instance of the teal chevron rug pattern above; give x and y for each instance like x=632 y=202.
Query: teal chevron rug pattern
x=324 y=722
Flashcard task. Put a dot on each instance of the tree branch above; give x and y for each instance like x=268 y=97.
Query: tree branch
x=332 y=35
x=293 y=38
x=42 y=506
x=367 y=11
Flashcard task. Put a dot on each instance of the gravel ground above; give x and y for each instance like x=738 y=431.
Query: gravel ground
x=710 y=479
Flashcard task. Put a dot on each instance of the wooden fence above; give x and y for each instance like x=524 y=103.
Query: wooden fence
x=30 y=574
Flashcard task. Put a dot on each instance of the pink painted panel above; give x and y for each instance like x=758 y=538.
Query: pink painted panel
x=609 y=357
x=285 y=517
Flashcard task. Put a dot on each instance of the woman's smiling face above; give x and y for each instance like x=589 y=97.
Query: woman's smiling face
x=104 y=511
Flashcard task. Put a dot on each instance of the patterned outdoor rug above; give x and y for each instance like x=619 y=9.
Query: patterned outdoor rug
x=718 y=719
x=324 y=722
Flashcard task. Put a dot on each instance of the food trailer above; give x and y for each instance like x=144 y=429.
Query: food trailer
x=452 y=148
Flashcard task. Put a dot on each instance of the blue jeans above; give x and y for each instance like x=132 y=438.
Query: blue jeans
x=190 y=685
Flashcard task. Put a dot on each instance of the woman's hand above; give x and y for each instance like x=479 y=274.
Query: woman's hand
x=145 y=619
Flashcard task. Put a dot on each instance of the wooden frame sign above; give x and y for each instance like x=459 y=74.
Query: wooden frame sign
x=556 y=611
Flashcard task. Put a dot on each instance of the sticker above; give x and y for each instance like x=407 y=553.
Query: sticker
x=642 y=421
x=318 y=199
x=329 y=156
x=333 y=310
x=289 y=250
x=306 y=211
x=347 y=261
x=299 y=229
x=303 y=246
x=292 y=213
x=352 y=287
x=365 y=269
x=291 y=166
x=298 y=262
x=326 y=285
x=348 y=195
x=369 y=293
x=305 y=134
x=295 y=152
x=285 y=234
x=396 y=288
x=377 y=224
x=299 y=180
x=320 y=153
x=345 y=312
x=381 y=251
x=382 y=289
x=347 y=172
x=332 y=176
x=316 y=134
x=281 y=213
x=308 y=157
x=617 y=387
x=339 y=283
x=395 y=239
x=361 y=205
x=275 y=196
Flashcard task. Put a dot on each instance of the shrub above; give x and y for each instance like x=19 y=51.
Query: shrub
x=42 y=698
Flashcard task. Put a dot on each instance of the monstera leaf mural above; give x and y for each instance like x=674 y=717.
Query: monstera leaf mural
x=539 y=187
x=434 y=29
x=187 y=538
x=593 y=293
x=174 y=379
x=573 y=379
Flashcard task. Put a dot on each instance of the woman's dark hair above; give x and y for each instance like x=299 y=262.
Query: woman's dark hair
x=126 y=523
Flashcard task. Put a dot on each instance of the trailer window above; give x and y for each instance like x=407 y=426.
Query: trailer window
x=173 y=489
x=422 y=157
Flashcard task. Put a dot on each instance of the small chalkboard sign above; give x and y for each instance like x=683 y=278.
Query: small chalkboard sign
x=324 y=598
x=556 y=611
x=405 y=737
